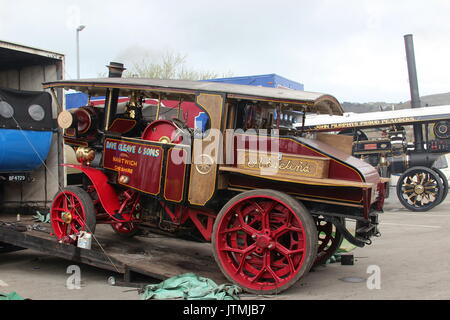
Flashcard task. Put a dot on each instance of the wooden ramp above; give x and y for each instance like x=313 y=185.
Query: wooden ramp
x=153 y=255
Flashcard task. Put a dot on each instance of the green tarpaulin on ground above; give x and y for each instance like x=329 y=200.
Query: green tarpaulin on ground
x=190 y=286
x=345 y=247
x=45 y=218
x=10 y=296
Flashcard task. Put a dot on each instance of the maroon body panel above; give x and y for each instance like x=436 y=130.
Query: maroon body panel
x=122 y=125
x=341 y=167
x=175 y=174
x=342 y=194
x=140 y=163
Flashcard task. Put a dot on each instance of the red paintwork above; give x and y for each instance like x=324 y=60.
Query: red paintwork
x=124 y=227
x=207 y=230
x=382 y=188
x=122 y=125
x=129 y=199
x=260 y=243
x=161 y=128
x=67 y=202
x=189 y=110
x=182 y=214
x=351 y=195
x=342 y=166
x=140 y=162
x=175 y=175
x=106 y=193
x=84 y=119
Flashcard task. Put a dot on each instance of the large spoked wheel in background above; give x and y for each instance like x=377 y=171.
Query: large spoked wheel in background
x=72 y=211
x=264 y=241
x=420 y=189
x=329 y=240
x=444 y=180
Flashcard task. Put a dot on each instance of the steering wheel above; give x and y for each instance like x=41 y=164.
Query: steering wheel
x=181 y=127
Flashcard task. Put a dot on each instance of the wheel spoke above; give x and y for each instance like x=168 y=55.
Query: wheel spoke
x=286 y=252
x=245 y=254
x=80 y=221
x=73 y=227
x=283 y=229
x=229 y=230
x=265 y=214
x=244 y=226
x=267 y=256
x=65 y=202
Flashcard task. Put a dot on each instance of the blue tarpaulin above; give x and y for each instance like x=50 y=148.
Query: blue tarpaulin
x=265 y=80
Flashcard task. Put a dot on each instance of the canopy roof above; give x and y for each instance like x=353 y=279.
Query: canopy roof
x=377 y=119
x=313 y=101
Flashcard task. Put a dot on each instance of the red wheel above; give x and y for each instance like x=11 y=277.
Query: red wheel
x=72 y=211
x=330 y=240
x=264 y=241
x=125 y=229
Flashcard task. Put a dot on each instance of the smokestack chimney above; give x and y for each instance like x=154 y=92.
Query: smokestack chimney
x=116 y=70
x=414 y=88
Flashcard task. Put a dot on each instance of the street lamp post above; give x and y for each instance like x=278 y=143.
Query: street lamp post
x=80 y=28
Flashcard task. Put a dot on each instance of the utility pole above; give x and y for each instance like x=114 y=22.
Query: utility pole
x=79 y=29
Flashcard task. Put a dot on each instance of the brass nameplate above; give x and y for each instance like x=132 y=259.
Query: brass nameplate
x=283 y=164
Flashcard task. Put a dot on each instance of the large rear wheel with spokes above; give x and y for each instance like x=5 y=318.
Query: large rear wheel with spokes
x=420 y=189
x=264 y=241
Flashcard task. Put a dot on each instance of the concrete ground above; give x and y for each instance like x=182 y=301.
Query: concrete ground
x=412 y=255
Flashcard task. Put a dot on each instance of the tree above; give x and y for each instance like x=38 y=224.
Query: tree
x=165 y=64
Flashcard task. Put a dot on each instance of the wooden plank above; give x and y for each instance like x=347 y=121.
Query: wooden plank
x=341 y=142
x=6 y=248
x=153 y=255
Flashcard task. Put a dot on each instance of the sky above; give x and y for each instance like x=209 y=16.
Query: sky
x=352 y=49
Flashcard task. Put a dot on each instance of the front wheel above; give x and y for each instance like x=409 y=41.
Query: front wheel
x=72 y=211
x=264 y=241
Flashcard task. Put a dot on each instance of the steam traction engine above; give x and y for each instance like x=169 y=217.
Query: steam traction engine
x=272 y=202
x=421 y=185
x=384 y=139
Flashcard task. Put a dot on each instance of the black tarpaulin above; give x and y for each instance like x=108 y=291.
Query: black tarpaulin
x=27 y=110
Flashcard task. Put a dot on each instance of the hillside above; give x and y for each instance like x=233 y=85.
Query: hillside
x=427 y=101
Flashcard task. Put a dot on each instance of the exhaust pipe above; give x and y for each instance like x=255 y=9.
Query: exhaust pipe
x=414 y=88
